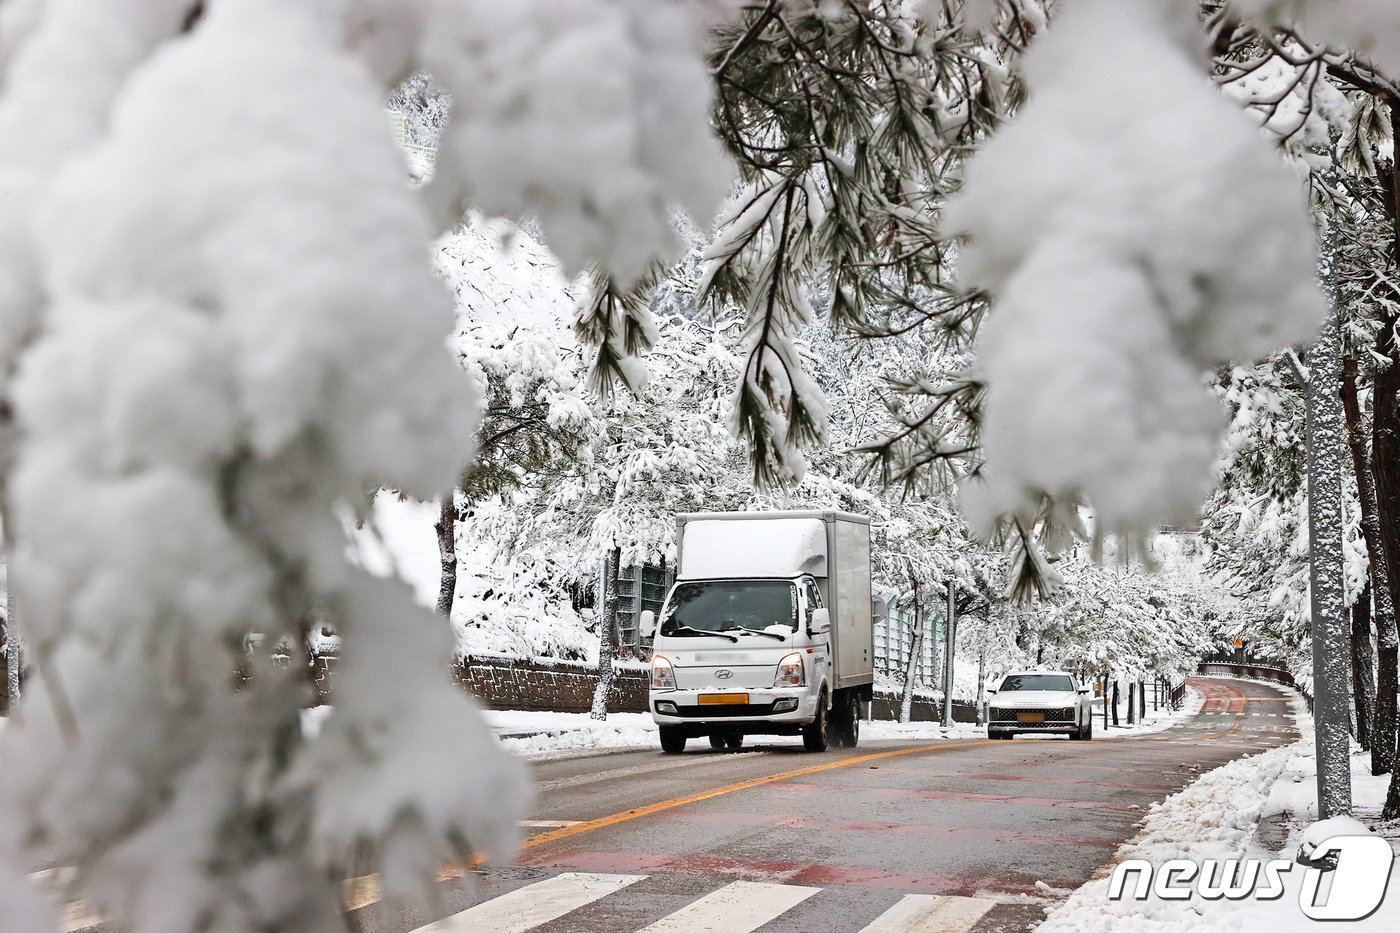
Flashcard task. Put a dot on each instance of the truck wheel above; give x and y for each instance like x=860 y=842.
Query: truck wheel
x=672 y=740
x=1089 y=729
x=716 y=741
x=845 y=720
x=733 y=741
x=814 y=736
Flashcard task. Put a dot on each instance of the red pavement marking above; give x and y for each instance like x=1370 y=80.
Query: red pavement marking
x=857 y=790
x=941 y=831
x=786 y=872
x=1039 y=779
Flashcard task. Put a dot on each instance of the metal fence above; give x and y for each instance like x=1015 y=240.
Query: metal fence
x=894 y=638
x=639 y=588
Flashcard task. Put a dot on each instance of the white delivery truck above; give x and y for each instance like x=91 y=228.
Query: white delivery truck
x=766 y=631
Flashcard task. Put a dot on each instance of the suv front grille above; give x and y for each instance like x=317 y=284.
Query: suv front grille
x=1062 y=714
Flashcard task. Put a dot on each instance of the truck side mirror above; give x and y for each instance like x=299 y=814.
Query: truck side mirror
x=1084 y=691
x=646 y=623
x=821 y=622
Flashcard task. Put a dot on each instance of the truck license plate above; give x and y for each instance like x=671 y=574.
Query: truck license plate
x=723 y=699
x=1030 y=717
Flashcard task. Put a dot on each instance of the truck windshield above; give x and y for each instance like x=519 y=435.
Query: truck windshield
x=1057 y=682
x=721 y=605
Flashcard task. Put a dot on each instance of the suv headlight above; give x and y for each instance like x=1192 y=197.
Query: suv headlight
x=663 y=676
x=791 y=673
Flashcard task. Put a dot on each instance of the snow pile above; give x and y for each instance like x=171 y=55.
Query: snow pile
x=1125 y=255
x=1214 y=818
x=536 y=734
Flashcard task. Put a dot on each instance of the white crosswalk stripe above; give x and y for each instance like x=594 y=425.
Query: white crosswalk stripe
x=931 y=913
x=738 y=907
x=533 y=905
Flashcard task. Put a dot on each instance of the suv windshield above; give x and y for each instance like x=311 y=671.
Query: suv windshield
x=1057 y=682
x=718 y=605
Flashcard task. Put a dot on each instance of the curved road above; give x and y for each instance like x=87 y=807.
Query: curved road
x=968 y=835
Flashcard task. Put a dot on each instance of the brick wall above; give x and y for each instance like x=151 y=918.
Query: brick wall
x=567 y=686
x=562 y=686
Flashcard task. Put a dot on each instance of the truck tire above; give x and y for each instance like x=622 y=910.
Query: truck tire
x=733 y=741
x=716 y=741
x=1088 y=729
x=672 y=740
x=845 y=719
x=814 y=736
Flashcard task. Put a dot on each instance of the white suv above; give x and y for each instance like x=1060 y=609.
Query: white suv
x=1040 y=701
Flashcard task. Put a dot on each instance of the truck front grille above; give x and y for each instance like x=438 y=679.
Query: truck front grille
x=720 y=712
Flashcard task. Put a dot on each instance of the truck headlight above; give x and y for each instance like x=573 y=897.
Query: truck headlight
x=663 y=676
x=790 y=672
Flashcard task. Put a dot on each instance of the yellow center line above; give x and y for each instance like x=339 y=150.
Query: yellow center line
x=1244 y=702
x=366 y=889
x=565 y=832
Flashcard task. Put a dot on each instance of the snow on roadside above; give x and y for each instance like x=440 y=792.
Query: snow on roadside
x=1214 y=817
x=532 y=733
x=882 y=729
x=538 y=733
x=1158 y=721
x=1217 y=817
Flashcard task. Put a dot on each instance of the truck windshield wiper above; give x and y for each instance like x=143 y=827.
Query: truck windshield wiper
x=687 y=630
x=757 y=631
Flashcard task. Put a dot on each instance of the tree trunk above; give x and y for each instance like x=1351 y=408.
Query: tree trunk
x=1363 y=683
x=14 y=661
x=446 y=527
x=1379 y=728
x=607 y=626
x=1115 y=702
x=950 y=636
x=1330 y=638
x=1103 y=691
x=1132 y=699
x=1385 y=465
x=916 y=643
x=981 y=685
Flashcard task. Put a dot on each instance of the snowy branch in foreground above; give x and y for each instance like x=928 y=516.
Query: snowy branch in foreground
x=1125 y=254
x=240 y=334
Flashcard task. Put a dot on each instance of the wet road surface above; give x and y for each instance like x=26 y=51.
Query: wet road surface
x=958 y=835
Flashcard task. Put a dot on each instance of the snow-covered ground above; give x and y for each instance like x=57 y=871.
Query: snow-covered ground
x=534 y=733
x=1218 y=816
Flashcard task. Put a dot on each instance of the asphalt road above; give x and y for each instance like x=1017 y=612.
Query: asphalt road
x=952 y=836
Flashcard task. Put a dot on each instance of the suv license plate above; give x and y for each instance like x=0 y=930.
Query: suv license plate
x=1030 y=717
x=723 y=699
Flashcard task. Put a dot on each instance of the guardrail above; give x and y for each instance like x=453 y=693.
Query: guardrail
x=1277 y=675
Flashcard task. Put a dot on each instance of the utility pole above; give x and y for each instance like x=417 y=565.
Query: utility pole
x=949 y=627
x=1330 y=638
x=14 y=655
